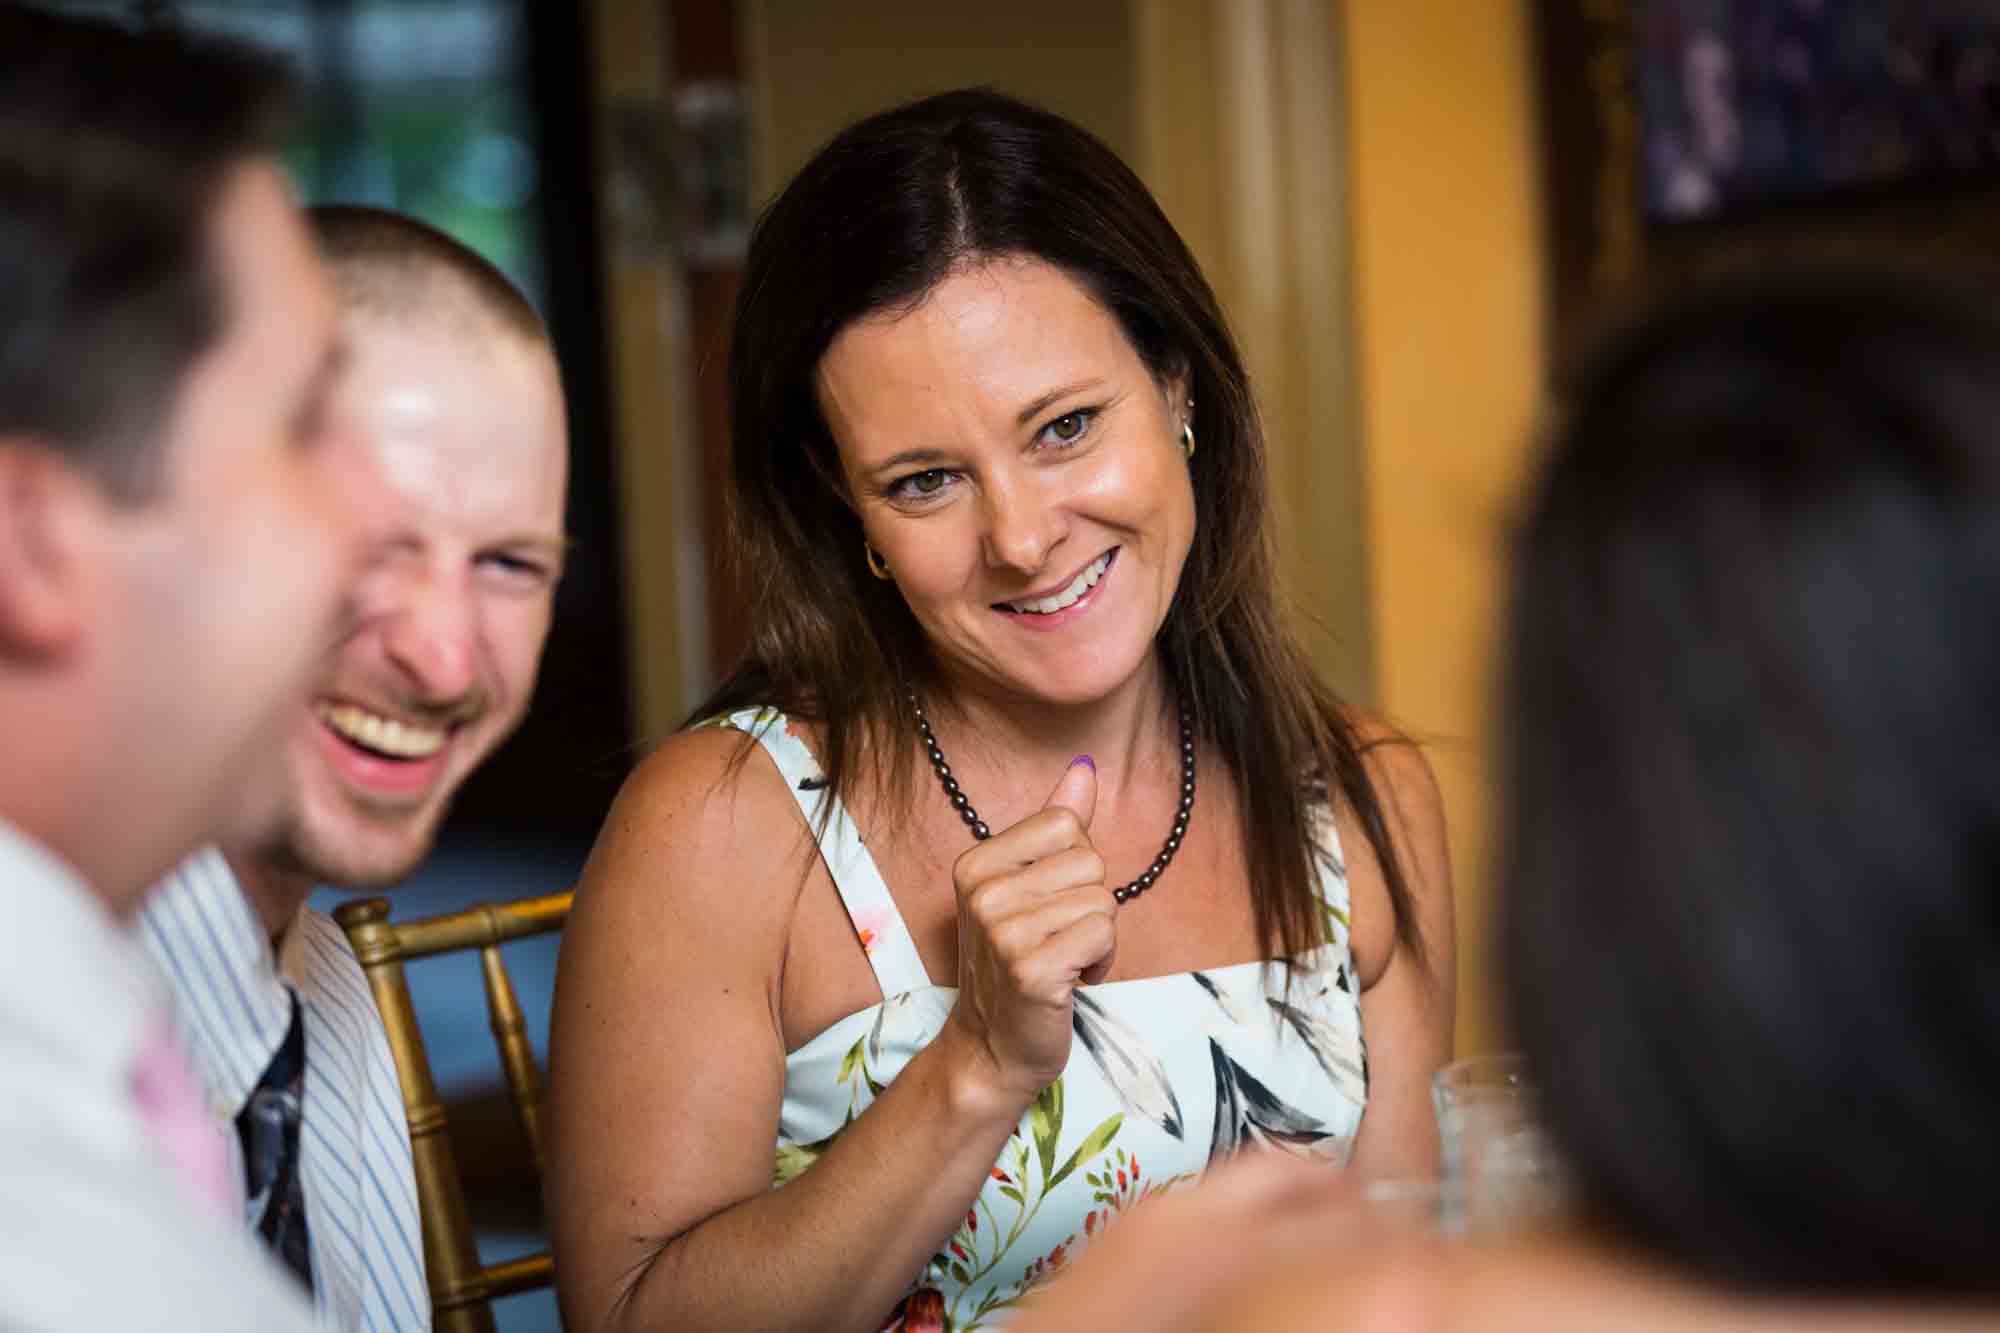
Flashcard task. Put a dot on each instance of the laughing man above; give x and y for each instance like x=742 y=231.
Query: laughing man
x=452 y=383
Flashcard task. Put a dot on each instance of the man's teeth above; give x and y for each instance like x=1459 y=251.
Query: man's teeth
x=1080 y=585
x=384 y=735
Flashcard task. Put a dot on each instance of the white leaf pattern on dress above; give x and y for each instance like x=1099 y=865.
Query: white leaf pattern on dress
x=1223 y=1001
x=896 y=1007
x=1133 y=1072
x=1248 y=1112
x=1326 y=1043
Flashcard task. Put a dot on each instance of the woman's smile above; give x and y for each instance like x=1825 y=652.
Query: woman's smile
x=1067 y=603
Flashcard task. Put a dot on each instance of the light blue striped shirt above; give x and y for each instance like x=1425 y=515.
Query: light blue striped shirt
x=233 y=1006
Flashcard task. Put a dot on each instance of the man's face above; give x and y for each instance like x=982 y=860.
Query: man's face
x=470 y=451
x=224 y=591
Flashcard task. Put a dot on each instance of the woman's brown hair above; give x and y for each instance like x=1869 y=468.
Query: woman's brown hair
x=876 y=220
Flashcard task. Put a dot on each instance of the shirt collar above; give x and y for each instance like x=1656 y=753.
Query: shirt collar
x=71 y=975
x=232 y=1006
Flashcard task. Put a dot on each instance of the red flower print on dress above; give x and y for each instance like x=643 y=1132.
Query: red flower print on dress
x=922 y=1311
x=870 y=923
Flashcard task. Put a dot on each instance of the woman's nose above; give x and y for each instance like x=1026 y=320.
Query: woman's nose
x=1023 y=525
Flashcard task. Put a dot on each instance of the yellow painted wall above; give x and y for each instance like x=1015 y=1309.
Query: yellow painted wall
x=1241 y=139
x=817 y=67
x=1448 y=291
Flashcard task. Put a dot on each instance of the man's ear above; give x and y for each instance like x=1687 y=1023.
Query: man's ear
x=45 y=518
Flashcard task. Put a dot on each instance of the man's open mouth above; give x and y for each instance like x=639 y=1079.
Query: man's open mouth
x=383 y=737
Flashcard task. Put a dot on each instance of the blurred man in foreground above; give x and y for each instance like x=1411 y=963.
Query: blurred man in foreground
x=455 y=391
x=176 y=541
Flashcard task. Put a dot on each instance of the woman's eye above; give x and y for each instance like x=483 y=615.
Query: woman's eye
x=923 y=485
x=1070 y=426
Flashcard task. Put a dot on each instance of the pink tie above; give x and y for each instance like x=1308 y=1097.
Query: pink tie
x=169 y=1101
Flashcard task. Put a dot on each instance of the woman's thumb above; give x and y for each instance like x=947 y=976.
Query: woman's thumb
x=1077 y=789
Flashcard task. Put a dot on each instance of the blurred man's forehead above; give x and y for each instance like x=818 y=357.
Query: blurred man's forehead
x=274 y=283
x=473 y=428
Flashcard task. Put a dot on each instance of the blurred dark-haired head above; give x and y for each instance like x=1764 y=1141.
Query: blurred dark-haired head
x=1751 y=834
x=113 y=148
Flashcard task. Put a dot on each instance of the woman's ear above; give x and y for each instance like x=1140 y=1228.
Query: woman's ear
x=45 y=508
x=1177 y=384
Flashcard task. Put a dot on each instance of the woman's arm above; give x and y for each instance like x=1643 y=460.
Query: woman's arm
x=667 y=1069
x=1406 y=1001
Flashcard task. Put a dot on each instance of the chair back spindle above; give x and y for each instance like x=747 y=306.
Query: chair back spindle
x=517 y=1056
x=462 y=1288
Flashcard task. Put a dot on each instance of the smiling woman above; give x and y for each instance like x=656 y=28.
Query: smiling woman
x=997 y=482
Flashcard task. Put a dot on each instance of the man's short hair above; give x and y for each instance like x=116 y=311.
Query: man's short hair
x=113 y=147
x=390 y=264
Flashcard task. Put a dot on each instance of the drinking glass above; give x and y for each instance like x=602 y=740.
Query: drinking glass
x=1407 y=1203
x=1500 y=1170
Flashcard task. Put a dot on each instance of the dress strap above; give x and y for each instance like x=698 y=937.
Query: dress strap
x=879 y=926
x=1335 y=960
x=1330 y=884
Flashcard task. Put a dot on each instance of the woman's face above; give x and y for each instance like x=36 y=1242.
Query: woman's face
x=1021 y=473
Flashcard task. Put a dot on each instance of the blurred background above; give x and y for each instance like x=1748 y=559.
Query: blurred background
x=1410 y=209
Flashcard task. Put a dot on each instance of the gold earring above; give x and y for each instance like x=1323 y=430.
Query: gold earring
x=1187 y=438
x=876 y=564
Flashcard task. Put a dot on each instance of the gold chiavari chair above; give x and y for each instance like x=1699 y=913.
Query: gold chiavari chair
x=462 y=1288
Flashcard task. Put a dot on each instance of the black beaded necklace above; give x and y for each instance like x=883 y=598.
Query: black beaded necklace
x=963 y=804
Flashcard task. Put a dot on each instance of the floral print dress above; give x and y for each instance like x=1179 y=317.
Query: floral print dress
x=1166 y=1075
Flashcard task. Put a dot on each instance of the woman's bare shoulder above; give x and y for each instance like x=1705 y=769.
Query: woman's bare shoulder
x=1399 y=773
x=1360 y=1281
x=704 y=800
x=1417 y=1284
x=1413 y=817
